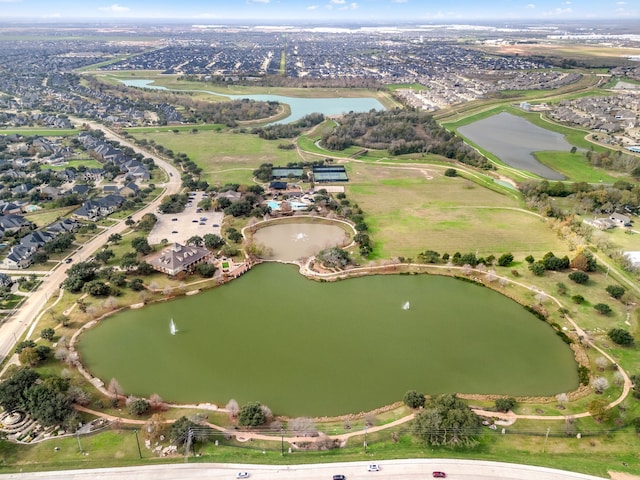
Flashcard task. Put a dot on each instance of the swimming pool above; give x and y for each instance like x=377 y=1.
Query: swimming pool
x=275 y=205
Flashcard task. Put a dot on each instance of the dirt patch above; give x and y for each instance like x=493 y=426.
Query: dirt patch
x=622 y=476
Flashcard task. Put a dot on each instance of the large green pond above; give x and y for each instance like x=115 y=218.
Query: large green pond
x=308 y=348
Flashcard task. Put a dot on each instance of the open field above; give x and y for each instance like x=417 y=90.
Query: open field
x=224 y=156
x=410 y=210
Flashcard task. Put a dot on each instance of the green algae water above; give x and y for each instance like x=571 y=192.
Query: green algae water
x=306 y=348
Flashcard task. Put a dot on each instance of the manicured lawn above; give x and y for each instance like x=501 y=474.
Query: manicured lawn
x=576 y=167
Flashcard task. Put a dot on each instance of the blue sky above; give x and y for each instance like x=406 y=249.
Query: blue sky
x=283 y=11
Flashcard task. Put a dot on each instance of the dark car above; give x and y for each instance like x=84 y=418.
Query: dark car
x=339 y=477
x=68 y=260
x=439 y=475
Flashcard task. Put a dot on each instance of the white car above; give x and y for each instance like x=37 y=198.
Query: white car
x=242 y=475
x=374 y=467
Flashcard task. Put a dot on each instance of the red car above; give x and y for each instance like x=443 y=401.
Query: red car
x=439 y=475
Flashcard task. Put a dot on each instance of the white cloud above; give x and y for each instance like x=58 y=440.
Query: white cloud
x=115 y=8
x=312 y=7
x=557 y=12
x=259 y=1
x=338 y=2
x=621 y=3
x=10 y=1
x=531 y=5
x=399 y=1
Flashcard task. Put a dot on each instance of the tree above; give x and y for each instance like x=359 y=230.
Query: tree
x=195 y=240
x=114 y=238
x=602 y=308
x=537 y=268
x=251 y=415
x=13 y=389
x=97 y=288
x=616 y=291
x=620 y=336
x=446 y=420
x=141 y=245
x=138 y=406
x=303 y=427
x=334 y=257
x=47 y=404
x=561 y=288
x=103 y=256
x=136 y=284
x=450 y=172
x=205 y=270
x=233 y=408
x=598 y=409
x=29 y=357
x=599 y=384
x=414 y=399
x=579 y=277
x=114 y=388
x=179 y=431
x=47 y=333
x=505 y=259
x=505 y=404
x=212 y=241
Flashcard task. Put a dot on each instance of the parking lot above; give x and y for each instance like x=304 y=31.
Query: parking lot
x=179 y=227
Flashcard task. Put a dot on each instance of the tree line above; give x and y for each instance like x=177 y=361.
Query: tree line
x=401 y=131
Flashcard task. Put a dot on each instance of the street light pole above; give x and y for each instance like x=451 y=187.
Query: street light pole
x=282 y=441
x=366 y=427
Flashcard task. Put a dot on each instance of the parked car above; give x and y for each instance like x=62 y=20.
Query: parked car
x=339 y=477
x=242 y=475
x=174 y=219
x=175 y=231
x=439 y=475
x=68 y=260
x=374 y=467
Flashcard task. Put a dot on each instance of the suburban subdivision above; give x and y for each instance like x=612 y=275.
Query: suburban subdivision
x=277 y=246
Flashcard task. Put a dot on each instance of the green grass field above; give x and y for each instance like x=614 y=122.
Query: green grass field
x=413 y=209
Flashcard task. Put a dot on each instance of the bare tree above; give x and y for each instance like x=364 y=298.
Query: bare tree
x=304 y=427
x=599 y=384
x=156 y=402
x=618 y=379
x=233 y=408
x=114 y=388
x=602 y=363
x=491 y=276
x=268 y=414
x=562 y=398
x=154 y=428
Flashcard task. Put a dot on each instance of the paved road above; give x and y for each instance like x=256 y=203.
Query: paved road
x=17 y=325
x=392 y=469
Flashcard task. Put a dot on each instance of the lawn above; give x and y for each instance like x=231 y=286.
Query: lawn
x=224 y=156
x=576 y=167
x=410 y=210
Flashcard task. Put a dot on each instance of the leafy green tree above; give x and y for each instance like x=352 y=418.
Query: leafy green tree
x=446 y=420
x=47 y=405
x=234 y=235
x=195 y=240
x=579 y=277
x=450 y=172
x=616 y=291
x=529 y=259
x=29 y=357
x=578 y=299
x=24 y=344
x=505 y=404
x=13 y=390
x=139 y=406
x=141 y=245
x=114 y=238
x=620 y=336
x=414 y=399
x=334 y=257
x=205 y=270
x=251 y=415
x=213 y=241
x=47 y=333
x=602 y=308
x=144 y=268
x=97 y=288
x=505 y=259
x=129 y=260
x=136 y=284
x=537 y=268
x=103 y=256
x=147 y=222
x=429 y=256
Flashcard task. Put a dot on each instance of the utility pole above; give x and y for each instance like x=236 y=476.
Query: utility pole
x=138 y=442
x=366 y=427
x=545 y=439
x=186 y=450
x=282 y=441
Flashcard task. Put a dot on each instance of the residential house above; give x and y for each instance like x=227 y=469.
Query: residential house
x=19 y=257
x=129 y=190
x=5 y=280
x=620 y=219
x=81 y=190
x=49 y=192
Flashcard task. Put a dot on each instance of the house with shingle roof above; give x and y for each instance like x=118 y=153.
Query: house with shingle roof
x=178 y=258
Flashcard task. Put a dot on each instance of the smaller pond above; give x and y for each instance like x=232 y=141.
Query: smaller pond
x=514 y=140
x=294 y=241
x=300 y=107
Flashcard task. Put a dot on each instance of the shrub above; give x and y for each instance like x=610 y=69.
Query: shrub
x=505 y=404
x=537 y=268
x=616 y=291
x=602 y=308
x=578 y=299
x=620 y=336
x=579 y=277
x=505 y=259
x=413 y=399
x=450 y=172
